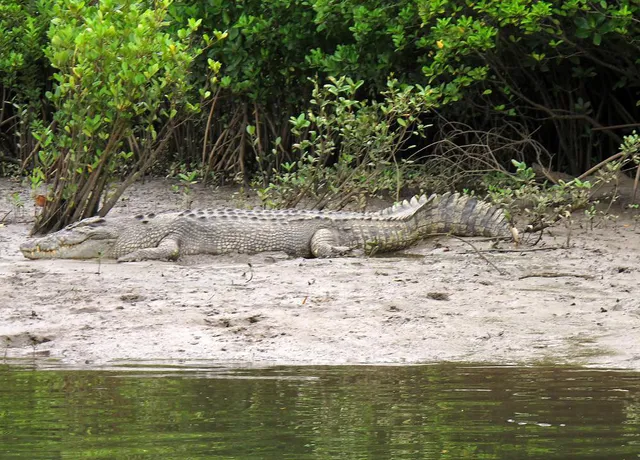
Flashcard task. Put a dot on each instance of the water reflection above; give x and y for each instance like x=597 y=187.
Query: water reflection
x=201 y=411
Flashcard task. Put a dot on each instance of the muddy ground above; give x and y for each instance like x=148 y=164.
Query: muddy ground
x=439 y=301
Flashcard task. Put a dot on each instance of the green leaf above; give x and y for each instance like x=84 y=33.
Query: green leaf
x=581 y=22
x=220 y=35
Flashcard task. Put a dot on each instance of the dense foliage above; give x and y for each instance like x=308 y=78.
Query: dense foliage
x=120 y=77
x=565 y=71
x=549 y=81
x=23 y=73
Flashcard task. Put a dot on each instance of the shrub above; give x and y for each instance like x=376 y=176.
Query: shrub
x=23 y=73
x=121 y=85
x=348 y=147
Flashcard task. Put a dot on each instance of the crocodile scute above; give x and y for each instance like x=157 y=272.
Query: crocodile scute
x=300 y=233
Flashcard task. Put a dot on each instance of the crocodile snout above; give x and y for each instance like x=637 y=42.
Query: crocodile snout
x=37 y=249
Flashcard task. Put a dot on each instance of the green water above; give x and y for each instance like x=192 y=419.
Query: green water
x=430 y=412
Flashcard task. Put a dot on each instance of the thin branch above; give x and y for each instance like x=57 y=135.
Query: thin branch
x=208 y=127
x=482 y=256
x=556 y=275
x=475 y=249
x=628 y=125
x=550 y=248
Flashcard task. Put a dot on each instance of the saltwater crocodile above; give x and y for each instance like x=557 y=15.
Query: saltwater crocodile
x=304 y=233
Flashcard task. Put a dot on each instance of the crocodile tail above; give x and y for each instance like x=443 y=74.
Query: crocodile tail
x=406 y=209
x=463 y=215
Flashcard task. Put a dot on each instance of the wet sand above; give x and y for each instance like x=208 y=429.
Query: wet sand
x=438 y=301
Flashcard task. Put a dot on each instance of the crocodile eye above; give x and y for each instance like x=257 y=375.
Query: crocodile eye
x=96 y=223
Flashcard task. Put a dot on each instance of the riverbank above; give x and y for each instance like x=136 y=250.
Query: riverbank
x=438 y=301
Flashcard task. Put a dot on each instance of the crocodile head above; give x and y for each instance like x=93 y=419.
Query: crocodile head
x=87 y=239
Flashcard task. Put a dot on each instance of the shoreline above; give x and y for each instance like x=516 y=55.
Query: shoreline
x=435 y=302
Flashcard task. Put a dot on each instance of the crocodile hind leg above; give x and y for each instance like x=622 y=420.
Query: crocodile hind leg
x=168 y=249
x=324 y=244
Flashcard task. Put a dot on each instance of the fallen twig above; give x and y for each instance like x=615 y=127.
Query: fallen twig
x=556 y=275
x=550 y=248
x=482 y=256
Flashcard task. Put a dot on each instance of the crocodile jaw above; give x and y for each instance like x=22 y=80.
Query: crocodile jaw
x=69 y=245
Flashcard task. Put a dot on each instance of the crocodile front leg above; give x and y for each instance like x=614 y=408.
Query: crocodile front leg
x=324 y=244
x=168 y=249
